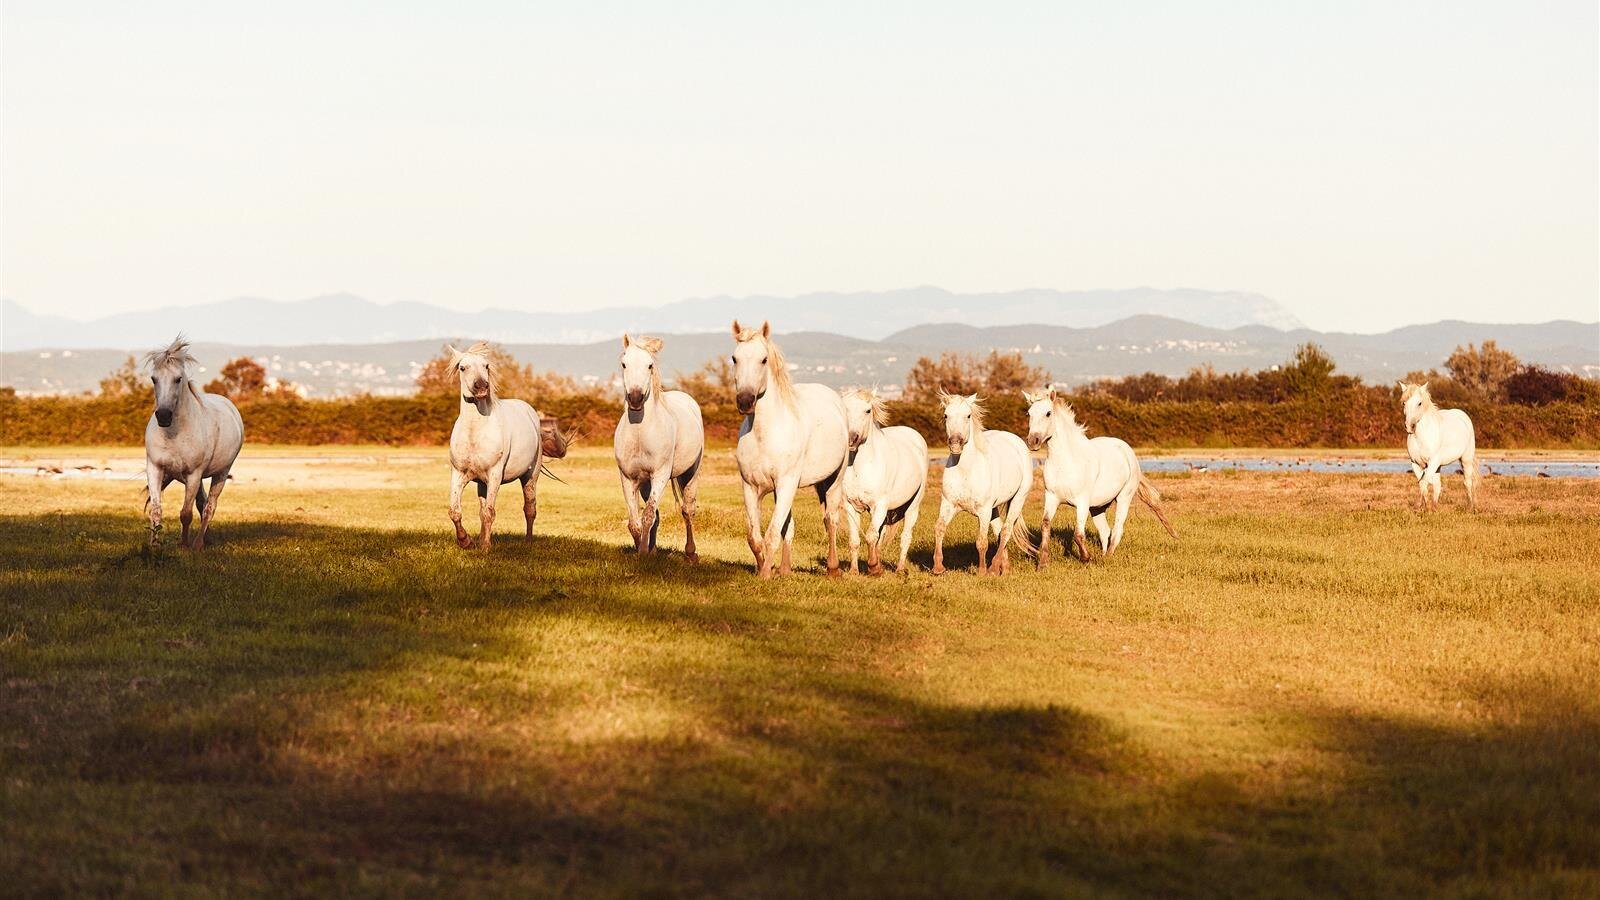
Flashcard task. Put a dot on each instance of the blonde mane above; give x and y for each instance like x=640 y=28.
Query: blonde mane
x=880 y=410
x=652 y=346
x=176 y=354
x=777 y=366
x=1060 y=404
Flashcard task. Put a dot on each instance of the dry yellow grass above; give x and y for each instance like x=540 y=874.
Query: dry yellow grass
x=1315 y=689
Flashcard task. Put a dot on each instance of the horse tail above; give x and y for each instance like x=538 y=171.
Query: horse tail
x=1023 y=538
x=1152 y=499
x=553 y=442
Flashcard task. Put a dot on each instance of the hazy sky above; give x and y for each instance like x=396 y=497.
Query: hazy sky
x=1367 y=164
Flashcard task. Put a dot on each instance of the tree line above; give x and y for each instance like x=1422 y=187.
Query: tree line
x=1302 y=402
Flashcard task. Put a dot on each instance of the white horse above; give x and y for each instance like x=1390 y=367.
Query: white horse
x=1090 y=474
x=494 y=441
x=988 y=474
x=659 y=439
x=192 y=436
x=794 y=435
x=1436 y=438
x=886 y=477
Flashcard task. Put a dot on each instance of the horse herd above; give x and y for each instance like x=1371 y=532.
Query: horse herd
x=794 y=436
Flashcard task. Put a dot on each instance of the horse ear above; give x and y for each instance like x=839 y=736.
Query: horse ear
x=624 y=340
x=736 y=329
x=1029 y=398
x=1050 y=392
x=766 y=329
x=972 y=398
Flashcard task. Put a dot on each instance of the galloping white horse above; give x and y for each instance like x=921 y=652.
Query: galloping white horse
x=985 y=470
x=494 y=441
x=659 y=439
x=1436 y=438
x=1090 y=474
x=886 y=477
x=793 y=435
x=192 y=436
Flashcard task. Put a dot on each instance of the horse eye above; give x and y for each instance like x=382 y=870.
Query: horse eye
x=1047 y=414
x=763 y=360
x=651 y=367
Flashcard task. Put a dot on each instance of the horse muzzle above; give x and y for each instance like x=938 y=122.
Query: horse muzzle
x=746 y=401
x=636 y=400
x=164 y=417
x=856 y=440
x=1036 y=441
x=957 y=445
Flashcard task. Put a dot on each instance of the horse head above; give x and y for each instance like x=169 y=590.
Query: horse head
x=1041 y=410
x=475 y=370
x=862 y=409
x=1416 y=400
x=169 y=373
x=963 y=419
x=640 y=379
x=753 y=358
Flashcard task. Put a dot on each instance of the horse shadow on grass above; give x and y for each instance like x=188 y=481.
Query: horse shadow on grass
x=800 y=776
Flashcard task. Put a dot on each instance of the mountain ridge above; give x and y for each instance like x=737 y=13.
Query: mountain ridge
x=1073 y=355
x=348 y=318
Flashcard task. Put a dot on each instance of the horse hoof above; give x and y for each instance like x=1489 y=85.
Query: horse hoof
x=937 y=570
x=875 y=571
x=835 y=572
x=692 y=556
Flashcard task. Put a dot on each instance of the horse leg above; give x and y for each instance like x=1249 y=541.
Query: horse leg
x=658 y=489
x=1422 y=487
x=947 y=511
x=1431 y=478
x=488 y=490
x=630 y=496
x=853 y=519
x=1000 y=525
x=458 y=481
x=831 y=495
x=688 y=484
x=530 y=499
x=752 y=523
x=788 y=547
x=207 y=505
x=985 y=516
x=191 y=486
x=1051 y=501
x=880 y=512
x=1078 y=539
x=1469 y=474
x=782 y=510
x=155 y=482
x=907 y=526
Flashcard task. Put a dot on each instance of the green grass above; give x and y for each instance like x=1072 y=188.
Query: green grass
x=1314 y=690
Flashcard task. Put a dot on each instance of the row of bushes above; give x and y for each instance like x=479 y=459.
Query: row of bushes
x=1357 y=418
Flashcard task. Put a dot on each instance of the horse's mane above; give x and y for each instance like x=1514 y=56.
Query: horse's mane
x=652 y=346
x=880 y=410
x=1408 y=389
x=1061 y=406
x=175 y=354
x=777 y=366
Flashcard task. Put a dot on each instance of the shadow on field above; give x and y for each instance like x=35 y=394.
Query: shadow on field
x=322 y=707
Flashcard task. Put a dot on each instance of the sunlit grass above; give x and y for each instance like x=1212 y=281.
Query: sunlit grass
x=1314 y=689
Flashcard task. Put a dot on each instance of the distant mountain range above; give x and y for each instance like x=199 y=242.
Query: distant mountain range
x=346 y=319
x=1073 y=355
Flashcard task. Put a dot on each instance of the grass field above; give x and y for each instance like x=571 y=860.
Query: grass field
x=1315 y=690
